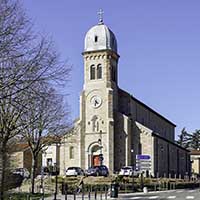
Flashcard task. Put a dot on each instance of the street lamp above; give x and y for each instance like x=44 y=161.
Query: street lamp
x=44 y=152
x=100 y=155
x=100 y=144
x=56 y=171
x=132 y=153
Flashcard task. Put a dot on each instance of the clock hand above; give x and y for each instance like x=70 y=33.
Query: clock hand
x=95 y=102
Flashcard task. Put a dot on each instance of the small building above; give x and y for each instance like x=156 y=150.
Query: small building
x=195 y=160
x=21 y=157
x=51 y=155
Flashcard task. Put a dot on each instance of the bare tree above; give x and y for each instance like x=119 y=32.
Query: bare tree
x=10 y=111
x=27 y=63
x=44 y=122
x=24 y=57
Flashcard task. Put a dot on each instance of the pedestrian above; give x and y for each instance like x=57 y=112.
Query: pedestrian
x=80 y=185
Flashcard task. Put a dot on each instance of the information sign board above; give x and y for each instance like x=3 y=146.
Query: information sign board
x=143 y=162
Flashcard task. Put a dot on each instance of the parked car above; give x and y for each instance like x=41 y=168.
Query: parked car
x=13 y=181
x=46 y=171
x=22 y=171
x=97 y=171
x=128 y=171
x=74 y=171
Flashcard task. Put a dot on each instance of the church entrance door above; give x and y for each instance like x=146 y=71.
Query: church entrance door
x=96 y=160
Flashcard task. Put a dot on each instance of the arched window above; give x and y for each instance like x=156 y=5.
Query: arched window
x=92 y=72
x=99 y=71
x=71 y=152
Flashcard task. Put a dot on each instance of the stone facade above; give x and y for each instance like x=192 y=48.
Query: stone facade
x=70 y=150
x=114 y=127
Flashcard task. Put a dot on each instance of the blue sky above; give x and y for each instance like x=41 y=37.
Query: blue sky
x=158 y=41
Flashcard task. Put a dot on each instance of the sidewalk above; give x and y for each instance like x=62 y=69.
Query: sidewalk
x=79 y=197
x=92 y=197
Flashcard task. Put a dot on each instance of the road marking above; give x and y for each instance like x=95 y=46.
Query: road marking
x=190 y=197
x=153 y=197
x=179 y=191
x=171 y=197
x=136 y=197
x=191 y=191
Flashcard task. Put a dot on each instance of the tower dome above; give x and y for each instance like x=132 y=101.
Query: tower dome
x=100 y=37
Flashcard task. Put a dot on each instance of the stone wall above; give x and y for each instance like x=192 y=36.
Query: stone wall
x=27 y=161
x=167 y=158
x=120 y=142
x=70 y=140
x=17 y=159
x=145 y=143
x=170 y=159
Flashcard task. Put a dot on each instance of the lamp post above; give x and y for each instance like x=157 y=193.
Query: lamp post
x=56 y=171
x=42 y=182
x=42 y=174
x=101 y=155
x=132 y=154
x=100 y=144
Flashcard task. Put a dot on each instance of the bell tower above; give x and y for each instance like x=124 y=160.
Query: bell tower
x=99 y=96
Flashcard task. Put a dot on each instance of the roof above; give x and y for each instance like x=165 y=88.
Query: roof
x=195 y=152
x=20 y=147
x=100 y=37
x=147 y=107
x=173 y=143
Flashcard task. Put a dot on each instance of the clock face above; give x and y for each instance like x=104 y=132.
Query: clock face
x=96 y=101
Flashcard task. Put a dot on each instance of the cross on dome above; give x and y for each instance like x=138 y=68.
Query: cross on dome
x=100 y=13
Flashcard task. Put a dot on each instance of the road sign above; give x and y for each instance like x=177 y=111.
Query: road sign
x=143 y=162
x=143 y=157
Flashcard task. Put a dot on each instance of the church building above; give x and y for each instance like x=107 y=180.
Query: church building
x=115 y=128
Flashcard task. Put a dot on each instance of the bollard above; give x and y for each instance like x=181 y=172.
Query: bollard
x=83 y=194
x=106 y=193
x=145 y=190
x=114 y=190
x=28 y=196
x=179 y=176
x=100 y=194
x=95 y=195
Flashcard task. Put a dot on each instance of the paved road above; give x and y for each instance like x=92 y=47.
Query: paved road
x=166 y=195
x=163 y=195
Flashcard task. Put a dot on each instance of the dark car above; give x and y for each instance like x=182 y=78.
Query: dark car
x=97 y=171
x=13 y=181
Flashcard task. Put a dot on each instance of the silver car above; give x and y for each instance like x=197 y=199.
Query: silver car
x=74 y=171
x=128 y=171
